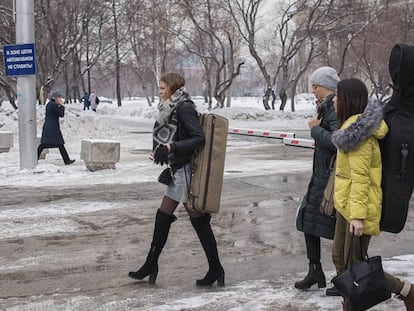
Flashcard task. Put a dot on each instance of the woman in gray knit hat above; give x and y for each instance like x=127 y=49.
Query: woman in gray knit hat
x=310 y=220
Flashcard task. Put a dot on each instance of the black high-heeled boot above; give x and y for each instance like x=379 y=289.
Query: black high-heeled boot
x=208 y=241
x=315 y=275
x=161 y=229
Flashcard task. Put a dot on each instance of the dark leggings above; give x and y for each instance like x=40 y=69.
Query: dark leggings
x=62 y=151
x=313 y=248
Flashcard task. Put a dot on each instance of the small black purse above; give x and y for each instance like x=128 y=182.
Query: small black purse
x=363 y=285
x=165 y=176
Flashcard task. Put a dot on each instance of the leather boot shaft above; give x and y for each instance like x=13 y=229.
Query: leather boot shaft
x=161 y=229
x=208 y=241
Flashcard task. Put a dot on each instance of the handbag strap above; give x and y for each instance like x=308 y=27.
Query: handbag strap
x=350 y=250
x=332 y=163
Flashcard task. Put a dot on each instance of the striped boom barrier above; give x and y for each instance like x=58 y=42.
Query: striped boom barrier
x=299 y=142
x=261 y=133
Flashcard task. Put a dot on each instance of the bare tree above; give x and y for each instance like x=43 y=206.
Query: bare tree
x=152 y=42
x=61 y=41
x=245 y=16
x=215 y=41
x=301 y=47
x=295 y=32
x=7 y=84
x=392 y=23
x=115 y=15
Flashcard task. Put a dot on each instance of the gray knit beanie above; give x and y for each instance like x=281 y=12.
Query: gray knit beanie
x=326 y=77
x=57 y=94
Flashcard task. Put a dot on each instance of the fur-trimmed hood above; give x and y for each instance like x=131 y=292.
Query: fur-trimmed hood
x=358 y=128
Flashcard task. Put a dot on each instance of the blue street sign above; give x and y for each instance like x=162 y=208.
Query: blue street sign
x=19 y=59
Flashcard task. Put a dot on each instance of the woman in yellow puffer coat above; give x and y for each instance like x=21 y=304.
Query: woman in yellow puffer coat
x=358 y=194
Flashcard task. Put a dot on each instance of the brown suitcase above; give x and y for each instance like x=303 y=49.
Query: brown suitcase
x=208 y=165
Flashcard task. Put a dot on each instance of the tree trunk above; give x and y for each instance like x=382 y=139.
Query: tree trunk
x=266 y=98
x=117 y=58
x=144 y=88
x=283 y=98
x=293 y=91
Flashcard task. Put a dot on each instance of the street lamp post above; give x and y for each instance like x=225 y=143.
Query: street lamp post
x=26 y=88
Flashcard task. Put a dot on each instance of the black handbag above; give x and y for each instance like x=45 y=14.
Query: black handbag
x=363 y=285
x=165 y=176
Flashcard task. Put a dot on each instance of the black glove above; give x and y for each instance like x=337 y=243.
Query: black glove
x=161 y=155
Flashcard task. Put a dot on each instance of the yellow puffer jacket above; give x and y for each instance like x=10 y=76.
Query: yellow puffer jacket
x=358 y=193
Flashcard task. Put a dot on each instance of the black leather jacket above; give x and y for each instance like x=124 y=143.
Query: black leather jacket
x=189 y=136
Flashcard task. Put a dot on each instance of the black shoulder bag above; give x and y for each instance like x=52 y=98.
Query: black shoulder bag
x=363 y=285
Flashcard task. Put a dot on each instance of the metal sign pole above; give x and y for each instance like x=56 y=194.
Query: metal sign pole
x=26 y=88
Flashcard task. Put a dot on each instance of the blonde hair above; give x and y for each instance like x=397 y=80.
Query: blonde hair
x=173 y=81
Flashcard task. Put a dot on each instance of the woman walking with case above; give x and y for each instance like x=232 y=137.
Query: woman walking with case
x=176 y=135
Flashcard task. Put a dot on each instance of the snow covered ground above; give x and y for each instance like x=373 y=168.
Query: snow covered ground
x=122 y=124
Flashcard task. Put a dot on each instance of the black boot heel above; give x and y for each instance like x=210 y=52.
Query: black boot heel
x=220 y=280
x=211 y=277
x=153 y=277
x=146 y=270
x=321 y=284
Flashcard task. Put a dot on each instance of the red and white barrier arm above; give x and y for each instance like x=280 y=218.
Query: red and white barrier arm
x=261 y=133
x=299 y=142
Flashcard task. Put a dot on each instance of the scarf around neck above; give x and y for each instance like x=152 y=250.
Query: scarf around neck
x=164 y=129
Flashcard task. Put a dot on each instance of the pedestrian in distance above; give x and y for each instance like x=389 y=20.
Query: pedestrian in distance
x=51 y=134
x=310 y=220
x=93 y=101
x=177 y=135
x=358 y=193
x=85 y=101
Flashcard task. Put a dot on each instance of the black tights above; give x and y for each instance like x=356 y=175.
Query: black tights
x=168 y=206
x=313 y=248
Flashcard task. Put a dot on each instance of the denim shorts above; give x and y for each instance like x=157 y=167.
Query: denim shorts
x=177 y=190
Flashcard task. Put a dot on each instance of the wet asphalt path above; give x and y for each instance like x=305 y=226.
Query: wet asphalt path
x=85 y=268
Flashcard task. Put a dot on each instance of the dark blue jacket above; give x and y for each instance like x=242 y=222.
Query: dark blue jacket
x=51 y=134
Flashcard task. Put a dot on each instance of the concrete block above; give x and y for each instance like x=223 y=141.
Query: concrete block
x=44 y=152
x=99 y=154
x=6 y=141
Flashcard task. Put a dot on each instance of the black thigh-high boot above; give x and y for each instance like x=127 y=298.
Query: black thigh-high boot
x=208 y=241
x=315 y=273
x=161 y=229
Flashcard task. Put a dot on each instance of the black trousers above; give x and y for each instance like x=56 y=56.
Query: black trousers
x=313 y=248
x=62 y=151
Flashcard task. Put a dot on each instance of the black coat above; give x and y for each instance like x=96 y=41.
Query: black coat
x=51 y=134
x=310 y=220
x=189 y=136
